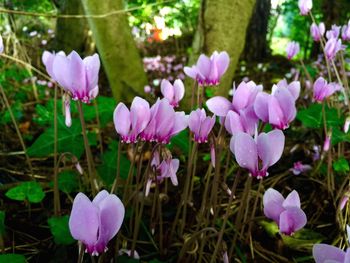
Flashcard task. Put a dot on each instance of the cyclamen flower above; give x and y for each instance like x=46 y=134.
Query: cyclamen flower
x=173 y=93
x=246 y=121
x=77 y=76
x=323 y=90
x=200 y=125
x=334 y=32
x=299 y=168
x=292 y=49
x=346 y=32
x=327 y=142
x=305 y=6
x=249 y=151
x=332 y=47
x=285 y=212
x=278 y=108
x=208 y=71
x=164 y=123
x=317 y=31
x=129 y=124
x=96 y=223
x=324 y=253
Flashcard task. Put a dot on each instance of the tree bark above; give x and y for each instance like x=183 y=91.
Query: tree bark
x=117 y=48
x=71 y=33
x=256 y=45
x=222 y=26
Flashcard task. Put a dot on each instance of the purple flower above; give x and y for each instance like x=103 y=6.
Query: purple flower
x=324 y=253
x=164 y=123
x=147 y=89
x=96 y=223
x=343 y=202
x=285 y=212
x=200 y=125
x=317 y=31
x=327 y=142
x=208 y=71
x=334 y=32
x=129 y=124
x=322 y=90
x=305 y=6
x=292 y=49
x=248 y=151
x=173 y=93
x=346 y=32
x=299 y=167
x=245 y=121
x=277 y=108
x=48 y=59
x=332 y=47
x=77 y=76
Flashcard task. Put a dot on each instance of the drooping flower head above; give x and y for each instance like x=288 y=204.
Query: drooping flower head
x=173 y=93
x=322 y=90
x=346 y=32
x=305 y=6
x=77 y=76
x=285 y=212
x=249 y=152
x=299 y=167
x=317 y=31
x=332 y=47
x=1 y=45
x=200 y=125
x=334 y=32
x=129 y=124
x=208 y=71
x=324 y=253
x=96 y=223
x=292 y=49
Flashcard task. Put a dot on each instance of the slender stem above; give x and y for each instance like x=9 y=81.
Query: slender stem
x=130 y=175
x=254 y=208
x=17 y=131
x=194 y=88
x=56 y=193
x=90 y=162
x=114 y=186
x=99 y=135
x=306 y=71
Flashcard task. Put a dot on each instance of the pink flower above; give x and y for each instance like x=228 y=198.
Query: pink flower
x=322 y=90
x=200 y=125
x=317 y=31
x=208 y=71
x=334 y=32
x=129 y=124
x=332 y=47
x=324 y=253
x=249 y=152
x=327 y=142
x=285 y=212
x=173 y=93
x=305 y=6
x=346 y=32
x=299 y=168
x=96 y=223
x=292 y=49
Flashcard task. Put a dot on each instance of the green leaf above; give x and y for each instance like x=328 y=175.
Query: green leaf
x=181 y=141
x=30 y=191
x=303 y=239
x=60 y=230
x=12 y=258
x=108 y=169
x=2 y=223
x=311 y=117
x=341 y=165
x=105 y=107
x=68 y=181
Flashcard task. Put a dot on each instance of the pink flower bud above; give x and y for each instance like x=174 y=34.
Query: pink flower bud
x=79 y=168
x=343 y=202
x=68 y=120
x=292 y=49
x=305 y=6
x=327 y=142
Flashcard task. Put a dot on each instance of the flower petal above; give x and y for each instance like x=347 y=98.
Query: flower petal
x=261 y=106
x=291 y=220
x=292 y=200
x=245 y=151
x=219 y=106
x=121 y=118
x=324 y=252
x=273 y=201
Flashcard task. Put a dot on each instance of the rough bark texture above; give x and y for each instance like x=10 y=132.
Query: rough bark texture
x=256 y=46
x=117 y=48
x=222 y=26
x=72 y=33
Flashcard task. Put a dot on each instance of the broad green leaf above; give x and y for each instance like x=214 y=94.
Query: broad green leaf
x=303 y=239
x=2 y=223
x=5 y=117
x=181 y=141
x=270 y=227
x=30 y=191
x=68 y=181
x=341 y=165
x=108 y=169
x=105 y=108
x=60 y=230
x=12 y=258
x=311 y=117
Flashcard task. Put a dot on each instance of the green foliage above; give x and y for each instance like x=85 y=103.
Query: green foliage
x=12 y=258
x=30 y=191
x=105 y=107
x=180 y=141
x=303 y=239
x=60 y=230
x=2 y=223
x=108 y=169
x=341 y=165
x=5 y=117
x=68 y=181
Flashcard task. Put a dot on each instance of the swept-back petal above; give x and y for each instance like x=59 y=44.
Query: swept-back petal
x=273 y=201
x=287 y=103
x=219 y=106
x=92 y=66
x=121 y=118
x=140 y=115
x=77 y=75
x=179 y=90
x=203 y=65
x=167 y=90
x=61 y=71
x=84 y=220
x=276 y=116
x=291 y=220
x=222 y=62
x=292 y=200
x=245 y=150
x=233 y=123
x=99 y=197
x=261 y=106
x=323 y=253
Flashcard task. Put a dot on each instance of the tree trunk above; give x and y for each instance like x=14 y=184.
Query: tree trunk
x=71 y=33
x=256 y=46
x=222 y=26
x=116 y=47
